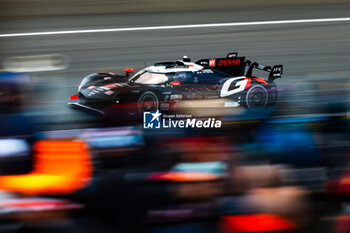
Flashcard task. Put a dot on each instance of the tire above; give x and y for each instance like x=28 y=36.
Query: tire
x=256 y=98
x=148 y=101
x=273 y=94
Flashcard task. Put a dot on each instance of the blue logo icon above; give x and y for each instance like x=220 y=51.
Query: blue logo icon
x=151 y=120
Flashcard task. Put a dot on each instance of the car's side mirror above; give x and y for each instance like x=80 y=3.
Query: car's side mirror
x=128 y=71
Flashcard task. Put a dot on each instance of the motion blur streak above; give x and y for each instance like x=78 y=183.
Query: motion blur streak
x=60 y=167
x=177 y=27
x=48 y=62
x=262 y=223
x=184 y=176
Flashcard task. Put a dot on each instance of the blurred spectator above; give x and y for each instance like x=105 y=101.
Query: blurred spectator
x=16 y=130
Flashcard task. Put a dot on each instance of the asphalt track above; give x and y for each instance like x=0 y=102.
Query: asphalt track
x=309 y=51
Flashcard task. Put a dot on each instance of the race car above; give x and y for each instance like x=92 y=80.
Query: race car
x=165 y=85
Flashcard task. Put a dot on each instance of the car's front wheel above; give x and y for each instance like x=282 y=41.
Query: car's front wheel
x=147 y=102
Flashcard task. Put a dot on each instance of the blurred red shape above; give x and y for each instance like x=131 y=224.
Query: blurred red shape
x=261 y=80
x=129 y=70
x=175 y=83
x=187 y=176
x=74 y=97
x=342 y=224
x=36 y=204
x=255 y=223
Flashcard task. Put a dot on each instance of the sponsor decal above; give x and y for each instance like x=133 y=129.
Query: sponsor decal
x=232 y=55
x=110 y=86
x=93 y=92
x=229 y=62
x=205 y=71
x=164 y=106
x=231 y=104
x=234 y=85
x=211 y=62
x=277 y=71
x=91 y=87
x=109 y=92
x=156 y=120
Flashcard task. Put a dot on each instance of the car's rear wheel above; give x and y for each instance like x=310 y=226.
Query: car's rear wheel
x=256 y=98
x=273 y=94
x=147 y=102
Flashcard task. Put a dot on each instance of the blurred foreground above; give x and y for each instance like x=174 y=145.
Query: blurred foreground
x=284 y=169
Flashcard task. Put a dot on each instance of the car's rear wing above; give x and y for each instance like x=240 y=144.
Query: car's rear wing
x=236 y=66
x=275 y=71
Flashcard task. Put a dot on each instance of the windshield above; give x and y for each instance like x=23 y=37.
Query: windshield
x=88 y=79
x=146 y=77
